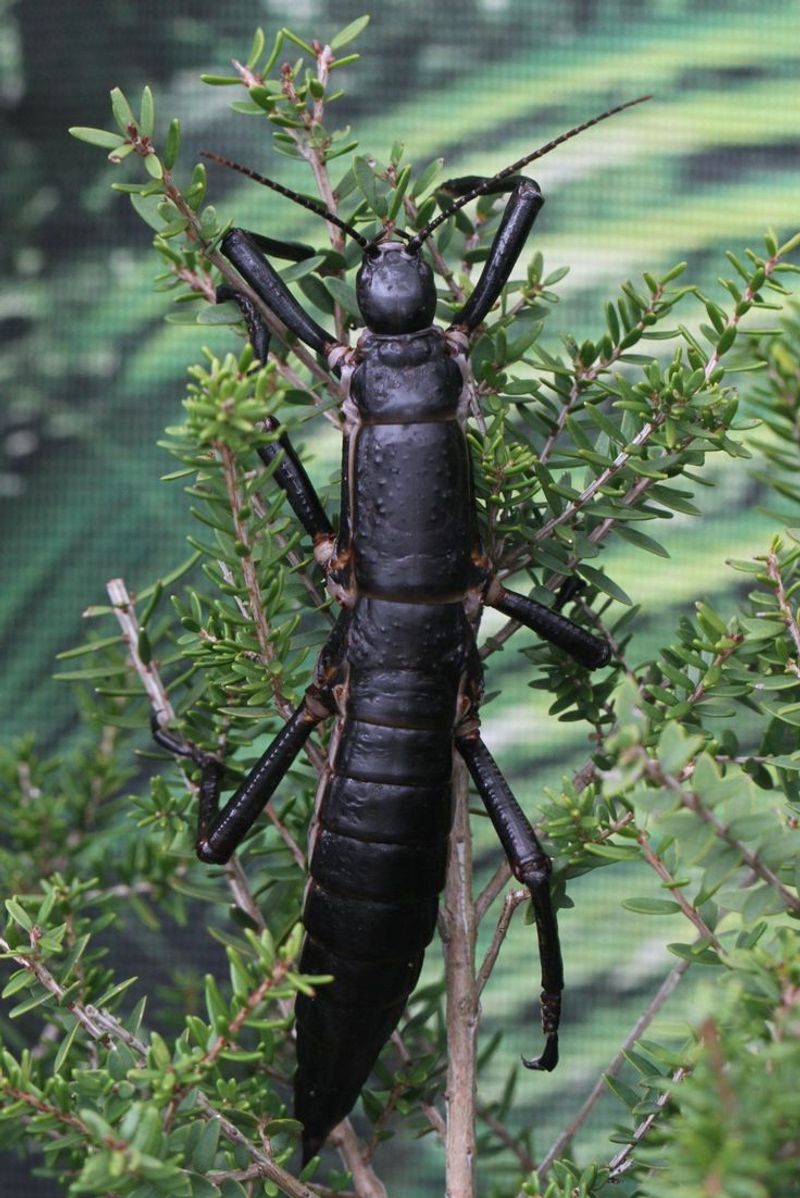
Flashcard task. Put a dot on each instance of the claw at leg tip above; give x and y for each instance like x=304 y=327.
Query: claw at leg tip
x=549 y=1058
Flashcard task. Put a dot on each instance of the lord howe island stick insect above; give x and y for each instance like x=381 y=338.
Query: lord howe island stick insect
x=400 y=671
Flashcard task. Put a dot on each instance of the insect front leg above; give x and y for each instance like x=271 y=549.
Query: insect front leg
x=520 y=212
x=243 y=250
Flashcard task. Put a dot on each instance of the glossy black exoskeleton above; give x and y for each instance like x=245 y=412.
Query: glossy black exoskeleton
x=400 y=672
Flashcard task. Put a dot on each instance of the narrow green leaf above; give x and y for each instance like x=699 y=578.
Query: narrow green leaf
x=603 y=583
x=206 y=1150
x=614 y=852
x=622 y=1090
x=221 y=80
x=786 y=763
x=202 y=1187
x=641 y=539
x=365 y=181
x=761 y=901
x=19 y=914
x=95 y=647
x=89 y=675
x=147 y=117
x=349 y=33
x=233 y=1189
x=114 y=992
x=64 y=1048
x=424 y=180
x=697 y=954
x=133 y=189
x=28 y=1004
x=344 y=295
x=97 y=137
x=152 y=164
x=651 y=906
x=344 y=62
x=123 y=113
x=641 y=1063
x=256 y=48
x=298 y=41
x=121 y=153
x=172 y=144
x=21 y=980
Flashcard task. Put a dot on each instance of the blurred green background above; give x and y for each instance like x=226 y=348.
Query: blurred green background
x=91 y=373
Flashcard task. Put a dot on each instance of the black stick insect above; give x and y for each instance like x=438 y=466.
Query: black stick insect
x=400 y=672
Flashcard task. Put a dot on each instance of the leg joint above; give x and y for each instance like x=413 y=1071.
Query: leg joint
x=535 y=872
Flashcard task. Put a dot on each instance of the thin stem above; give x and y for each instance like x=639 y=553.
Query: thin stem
x=242 y=894
x=296 y=559
x=125 y=611
x=257 y=612
x=148 y=673
x=510 y=904
x=526 y=1161
x=588 y=374
x=352 y=1152
x=254 y=1000
x=691 y=801
x=258 y=617
x=491 y=890
x=666 y=988
x=462 y=999
x=623 y=1160
x=53 y=1112
x=433 y=1116
x=692 y=914
x=787 y=614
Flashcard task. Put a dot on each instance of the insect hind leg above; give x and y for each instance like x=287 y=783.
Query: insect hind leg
x=532 y=867
x=220 y=832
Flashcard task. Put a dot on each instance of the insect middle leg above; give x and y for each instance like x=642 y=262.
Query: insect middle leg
x=547 y=622
x=289 y=472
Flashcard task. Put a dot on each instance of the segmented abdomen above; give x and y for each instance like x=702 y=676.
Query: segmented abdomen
x=379 y=846
x=379 y=843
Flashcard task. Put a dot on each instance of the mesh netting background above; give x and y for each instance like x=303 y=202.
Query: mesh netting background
x=91 y=374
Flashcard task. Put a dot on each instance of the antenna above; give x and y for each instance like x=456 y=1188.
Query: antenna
x=304 y=201
x=488 y=184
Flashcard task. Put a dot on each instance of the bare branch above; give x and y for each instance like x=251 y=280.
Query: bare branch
x=149 y=676
x=510 y=904
x=352 y=1152
x=462 y=999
